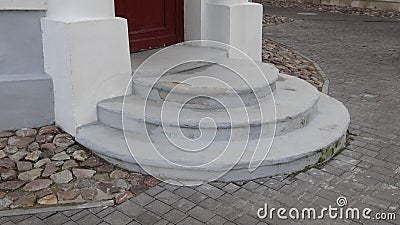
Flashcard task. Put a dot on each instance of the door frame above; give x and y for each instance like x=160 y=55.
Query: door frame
x=180 y=20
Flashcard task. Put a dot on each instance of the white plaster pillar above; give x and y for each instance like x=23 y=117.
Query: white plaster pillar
x=86 y=52
x=234 y=22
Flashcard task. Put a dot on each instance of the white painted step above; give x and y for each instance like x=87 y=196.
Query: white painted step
x=289 y=153
x=295 y=101
x=233 y=82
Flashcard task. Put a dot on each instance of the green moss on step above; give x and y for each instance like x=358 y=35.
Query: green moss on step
x=304 y=122
x=326 y=154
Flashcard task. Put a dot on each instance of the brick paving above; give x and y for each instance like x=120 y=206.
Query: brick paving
x=362 y=60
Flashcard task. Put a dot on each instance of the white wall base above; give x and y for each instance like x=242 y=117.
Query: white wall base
x=89 y=61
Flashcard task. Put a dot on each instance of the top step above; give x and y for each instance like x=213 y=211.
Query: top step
x=159 y=61
x=228 y=83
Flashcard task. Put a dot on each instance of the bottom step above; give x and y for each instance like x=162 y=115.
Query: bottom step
x=289 y=153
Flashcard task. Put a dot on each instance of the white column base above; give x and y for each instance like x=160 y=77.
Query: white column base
x=238 y=24
x=89 y=61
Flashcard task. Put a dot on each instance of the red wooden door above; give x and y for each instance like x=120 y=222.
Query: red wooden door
x=152 y=23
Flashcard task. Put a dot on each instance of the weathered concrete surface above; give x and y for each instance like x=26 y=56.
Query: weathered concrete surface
x=365 y=172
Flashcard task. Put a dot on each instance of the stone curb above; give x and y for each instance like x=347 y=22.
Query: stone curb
x=18 y=212
x=325 y=86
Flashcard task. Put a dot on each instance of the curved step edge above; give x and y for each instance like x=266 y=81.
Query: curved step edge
x=295 y=109
x=104 y=141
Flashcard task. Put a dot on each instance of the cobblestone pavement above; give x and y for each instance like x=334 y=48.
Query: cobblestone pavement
x=362 y=59
x=329 y=8
x=43 y=167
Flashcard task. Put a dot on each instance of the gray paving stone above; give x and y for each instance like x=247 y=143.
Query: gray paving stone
x=44 y=215
x=117 y=218
x=251 y=185
x=210 y=204
x=157 y=207
x=228 y=199
x=224 y=210
x=143 y=199
x=33 y=220
x=243 y=194
x=72 y=223
x=219 y=185
x=197 y=197
x=245 y=219
x=274 y=184
x=148 y=218
x=131 y=209
x=175 y=216
x=183 y=205
x=134 y=223
x=89 y=219
x=4 y=219
x=162 y=222
x=106 y=212
x=210 y=191
x=171 y=187
x=201 y=214
x=286 y=200
x=216 y=220
x=167 y=197
x=229 y=223
x=79 y=215
x=68 y=213
x=9 y=223
x=154 y=190
x=97 y=210
x=233 y=215
x=190 y=220
x=55 y=219
x=16 y=219
x=230 y=188
x=184 y=192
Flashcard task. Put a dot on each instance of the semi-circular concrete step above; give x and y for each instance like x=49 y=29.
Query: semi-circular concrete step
x=185 y=57
x=233 y=82
x=292 y=152
x=295 y=102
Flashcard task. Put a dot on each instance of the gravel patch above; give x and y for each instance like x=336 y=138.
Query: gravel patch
x=292 y=63
x=269 y=20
